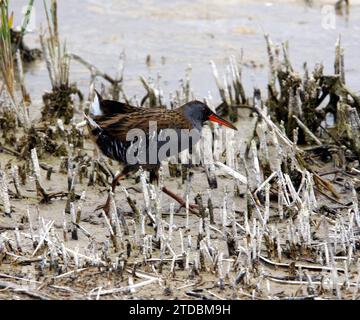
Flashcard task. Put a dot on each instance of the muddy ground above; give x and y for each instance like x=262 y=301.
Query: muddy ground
x=266 y=282
x=28 y=272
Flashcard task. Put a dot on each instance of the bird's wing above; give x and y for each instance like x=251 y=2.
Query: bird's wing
x=118 y=126
x=115 y=107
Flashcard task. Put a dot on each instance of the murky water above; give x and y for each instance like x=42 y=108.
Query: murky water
x=178 y=33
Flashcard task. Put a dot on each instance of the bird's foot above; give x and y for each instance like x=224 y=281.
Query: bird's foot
x=104 y=207
x=136 y=189
x=192 y=207
x=114 y=183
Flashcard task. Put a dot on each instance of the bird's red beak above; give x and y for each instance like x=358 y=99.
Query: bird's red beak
x=221 y=121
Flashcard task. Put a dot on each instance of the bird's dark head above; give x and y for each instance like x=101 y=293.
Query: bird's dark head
x=198 y=113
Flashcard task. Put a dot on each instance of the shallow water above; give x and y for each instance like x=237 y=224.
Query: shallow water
x=179 y=33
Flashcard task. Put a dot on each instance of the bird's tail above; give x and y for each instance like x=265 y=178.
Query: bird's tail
x=91 y=124
x=96 y=105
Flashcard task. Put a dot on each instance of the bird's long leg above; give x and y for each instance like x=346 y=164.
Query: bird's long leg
x=116 y=179
x=181 y=201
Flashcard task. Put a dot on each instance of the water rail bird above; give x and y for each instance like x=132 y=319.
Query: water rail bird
x=111 y=122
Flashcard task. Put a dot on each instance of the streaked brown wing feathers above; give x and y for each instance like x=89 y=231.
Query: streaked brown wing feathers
x=118 y=125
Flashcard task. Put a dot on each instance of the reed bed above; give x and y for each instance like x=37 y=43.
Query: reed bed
x=277 y=213
x=58 y=104
x=7 y=65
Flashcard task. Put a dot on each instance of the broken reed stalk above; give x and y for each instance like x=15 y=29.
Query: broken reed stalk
x=25 y=95
x=307 y=131
x=7 y=68
x=16 y=181
x=4 y=194
x=154 y=95
x=132 y=204
x=37 y=176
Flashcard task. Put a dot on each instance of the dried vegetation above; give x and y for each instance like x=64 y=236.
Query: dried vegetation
x=276 y=219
